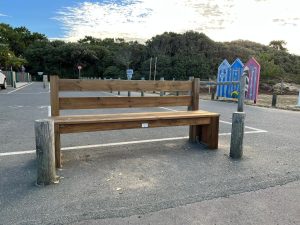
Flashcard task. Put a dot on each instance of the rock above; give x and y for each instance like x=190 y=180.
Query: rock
x=287 y=88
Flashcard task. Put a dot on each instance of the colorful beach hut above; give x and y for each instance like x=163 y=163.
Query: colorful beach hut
x=236 y=71
x=254 y=76
x=223 y=76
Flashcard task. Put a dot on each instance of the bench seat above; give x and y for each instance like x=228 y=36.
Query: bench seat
x=205 y=123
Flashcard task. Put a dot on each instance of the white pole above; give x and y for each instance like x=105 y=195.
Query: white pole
x=299 y=99
x=150 y=68
x=155 y=68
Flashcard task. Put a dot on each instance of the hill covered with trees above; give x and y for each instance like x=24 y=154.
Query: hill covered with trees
x=178 y=55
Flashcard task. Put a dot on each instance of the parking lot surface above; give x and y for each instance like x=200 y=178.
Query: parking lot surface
x=150 y=176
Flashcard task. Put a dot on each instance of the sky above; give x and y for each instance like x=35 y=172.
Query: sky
x=222 y=20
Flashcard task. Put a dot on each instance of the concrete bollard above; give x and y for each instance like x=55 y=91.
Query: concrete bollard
x=45 y=80
x=45 y=154
x=237 y=135
x=162 y=93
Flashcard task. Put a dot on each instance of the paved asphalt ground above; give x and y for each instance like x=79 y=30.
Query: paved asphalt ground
x=142 y=177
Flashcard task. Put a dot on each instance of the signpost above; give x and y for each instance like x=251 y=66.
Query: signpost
x=79 y=67
x=129 y=73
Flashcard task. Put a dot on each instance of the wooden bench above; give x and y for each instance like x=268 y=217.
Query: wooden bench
x=204 y=125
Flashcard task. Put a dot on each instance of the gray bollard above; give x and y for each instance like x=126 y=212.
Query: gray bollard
x=162 y=93
x=119 y=91
x=241 y=98
x=213 y=92
x=274 y=100
x=142 y=92
x=45 y=154
x=237 y=135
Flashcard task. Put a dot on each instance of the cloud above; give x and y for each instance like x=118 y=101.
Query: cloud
x=223 y=20
x=287 y=21
x=3 y=14
x=142 y=19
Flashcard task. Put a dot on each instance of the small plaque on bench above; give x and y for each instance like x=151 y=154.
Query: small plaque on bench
x=145 y=125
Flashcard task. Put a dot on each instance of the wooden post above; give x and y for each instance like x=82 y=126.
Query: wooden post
x=142 y=92
x=162 y=92
x=237 y=135
x=44 y=139
x=190 y=93
x=111 y=90
x=242 y=94
x=213 y=92
x=54 y=99
x=274 y=100
x=194 y=106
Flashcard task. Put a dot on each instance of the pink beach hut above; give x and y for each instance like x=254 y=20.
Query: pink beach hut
x=254 y=75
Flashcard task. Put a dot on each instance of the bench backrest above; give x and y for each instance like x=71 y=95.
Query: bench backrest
x=63 y=103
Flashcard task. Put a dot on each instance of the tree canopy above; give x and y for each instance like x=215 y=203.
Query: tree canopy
x=178 y=55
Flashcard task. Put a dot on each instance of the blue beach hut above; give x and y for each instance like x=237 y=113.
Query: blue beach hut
x=236 y=71
x=223 y=76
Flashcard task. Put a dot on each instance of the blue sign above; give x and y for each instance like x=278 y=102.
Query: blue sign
x=129 y=73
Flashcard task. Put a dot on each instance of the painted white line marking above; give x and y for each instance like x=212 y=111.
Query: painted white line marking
x=251 y=128
x=31 y=93
x=20 y=88
x=222 y=121
x=118 y=144
x=17 y=153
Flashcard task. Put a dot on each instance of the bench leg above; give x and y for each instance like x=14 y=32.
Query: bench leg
x=57 y=146
x=193 y=134
x=209 y=134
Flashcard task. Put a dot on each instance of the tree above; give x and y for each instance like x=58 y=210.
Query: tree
x=278 y=45
x=268 y=68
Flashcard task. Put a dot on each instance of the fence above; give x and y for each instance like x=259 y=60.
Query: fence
x=12 y=76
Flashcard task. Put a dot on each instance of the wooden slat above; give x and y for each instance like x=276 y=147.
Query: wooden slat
x=195 y=94
x=54 y=99
x=122 y=102
x=195 y=106
x=90 y=127
x=123 y=85
x=105 y=118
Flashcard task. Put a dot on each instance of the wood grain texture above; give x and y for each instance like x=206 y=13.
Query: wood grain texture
x=194 y=106
x=123 y=85
x=99 y=126
x=57 y=146
x=122 y=102
x=44 y=139
x=209 y=134
x=125 y=117
x=54 y=95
